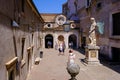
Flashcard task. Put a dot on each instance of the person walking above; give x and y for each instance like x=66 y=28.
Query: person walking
x=49 y=44
x=56 y=45
x=71 y=57
x=61 y=48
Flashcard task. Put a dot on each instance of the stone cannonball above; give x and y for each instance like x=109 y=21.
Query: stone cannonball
x=73 y=69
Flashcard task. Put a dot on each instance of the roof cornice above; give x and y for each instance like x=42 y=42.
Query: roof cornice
x=34 y=9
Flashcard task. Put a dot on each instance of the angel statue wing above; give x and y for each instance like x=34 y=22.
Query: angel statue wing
x=100 y=26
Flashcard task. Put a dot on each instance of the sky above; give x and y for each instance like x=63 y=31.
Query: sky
x=49 y=6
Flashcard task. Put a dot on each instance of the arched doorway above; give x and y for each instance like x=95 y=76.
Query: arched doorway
x=72 y=39
x=48 y=38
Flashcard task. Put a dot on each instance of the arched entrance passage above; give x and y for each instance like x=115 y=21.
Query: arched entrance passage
x=48 y=38
x=73 y=39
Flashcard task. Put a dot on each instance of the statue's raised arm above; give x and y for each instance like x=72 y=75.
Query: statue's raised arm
x=92 y=36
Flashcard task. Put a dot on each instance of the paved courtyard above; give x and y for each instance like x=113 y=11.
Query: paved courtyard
x=53 y=67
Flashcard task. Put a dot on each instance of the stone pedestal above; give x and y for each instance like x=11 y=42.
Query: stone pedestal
x=91 y=54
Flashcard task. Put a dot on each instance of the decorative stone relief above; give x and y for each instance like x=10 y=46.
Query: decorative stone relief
x=60 y=19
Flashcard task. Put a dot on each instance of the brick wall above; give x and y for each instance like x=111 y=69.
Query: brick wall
x=11 y=37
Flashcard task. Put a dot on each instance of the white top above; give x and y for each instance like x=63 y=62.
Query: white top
x=60 y=46
x=71 y=58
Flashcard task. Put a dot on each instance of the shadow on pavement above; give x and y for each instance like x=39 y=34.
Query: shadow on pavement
x=112 y=65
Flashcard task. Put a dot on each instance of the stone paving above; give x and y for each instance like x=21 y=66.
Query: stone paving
x=53 y=67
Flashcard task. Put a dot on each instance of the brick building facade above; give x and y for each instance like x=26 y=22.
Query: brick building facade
x=52 y=31
x=106 y=12
x=20 y=23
